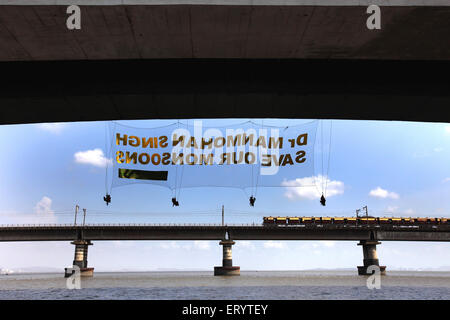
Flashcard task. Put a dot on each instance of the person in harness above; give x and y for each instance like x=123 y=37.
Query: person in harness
x=107 y=199
x=322 y=200
x=252 y=201
x=175 y=202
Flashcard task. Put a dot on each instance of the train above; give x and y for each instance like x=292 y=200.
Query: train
x=354 y=220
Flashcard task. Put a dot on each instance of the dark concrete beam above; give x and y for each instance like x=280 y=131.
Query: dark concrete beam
x=175 y=89
x=95 y=233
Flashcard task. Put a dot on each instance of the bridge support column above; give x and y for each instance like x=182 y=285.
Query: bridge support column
x=370 y=257
x=80 y=259
x=227 y=268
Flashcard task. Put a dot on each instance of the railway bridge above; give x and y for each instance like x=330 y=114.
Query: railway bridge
x=368 y=235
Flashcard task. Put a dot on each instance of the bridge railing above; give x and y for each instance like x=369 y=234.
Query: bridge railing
x=218 y=225
x=125 y=225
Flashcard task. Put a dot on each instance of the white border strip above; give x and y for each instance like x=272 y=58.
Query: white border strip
x=365 y=3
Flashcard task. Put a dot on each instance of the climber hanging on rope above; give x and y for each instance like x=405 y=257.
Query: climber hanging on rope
x=325 y=179
x=255 y=187
x=108 y=150
x=107 y=199
x=322 y=200
x=177 y=186
x=252 y=201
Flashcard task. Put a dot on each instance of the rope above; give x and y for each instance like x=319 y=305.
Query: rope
x=259 y=168
x=324 y=178
x=181 y=177
x=106 y=151
x=224 y=126
x=108 y=131
x=321 y=146
x=181 y=182
x=314 y=166
x=252 y=180
x=329 y=156
x=174 y=194
x=176 y=179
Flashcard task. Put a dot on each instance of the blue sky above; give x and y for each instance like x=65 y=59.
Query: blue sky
x=395 y=168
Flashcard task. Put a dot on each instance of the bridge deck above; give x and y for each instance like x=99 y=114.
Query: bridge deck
x=217 y=232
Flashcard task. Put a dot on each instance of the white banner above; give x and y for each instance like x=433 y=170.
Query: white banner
x=242 y=156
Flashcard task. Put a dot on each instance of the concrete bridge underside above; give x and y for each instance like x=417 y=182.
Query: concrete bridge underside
x=182 y=60
x=178 y=89
x=416 y=30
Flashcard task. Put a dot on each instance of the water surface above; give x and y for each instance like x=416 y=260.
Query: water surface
x=250 y=285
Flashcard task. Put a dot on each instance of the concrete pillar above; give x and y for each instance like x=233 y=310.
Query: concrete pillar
x=227 y=268
x=370 y=257
x=80 y=259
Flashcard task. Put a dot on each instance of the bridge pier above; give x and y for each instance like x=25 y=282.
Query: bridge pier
x=227 y=268
x=370 y=257
x=80 y=259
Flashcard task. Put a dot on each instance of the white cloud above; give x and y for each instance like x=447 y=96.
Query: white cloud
x=421 y=154
x=44 y=206
x=245 y=244
x=169 y=245
x=44 y=212
x=427 y=153
x=391 y=209
x=93 y=157
x=123 y=244
x=381 y=193
x=202 y=245
x=395 y=210
x=446 y=180
x=317 y=245
x=55 y=127
x=275 y=244
x=447 y=129
x=308 y=188
x=328 y=244
x=175 y=245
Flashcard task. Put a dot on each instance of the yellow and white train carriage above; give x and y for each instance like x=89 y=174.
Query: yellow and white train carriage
x=354 y=220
